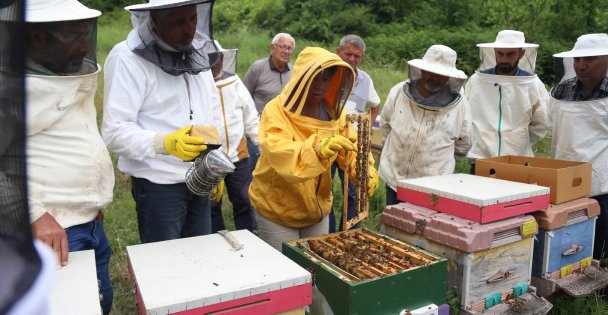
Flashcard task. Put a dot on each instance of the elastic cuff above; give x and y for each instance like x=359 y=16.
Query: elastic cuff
x=159 y=144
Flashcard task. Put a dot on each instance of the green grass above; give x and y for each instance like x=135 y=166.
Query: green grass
x=120 y=219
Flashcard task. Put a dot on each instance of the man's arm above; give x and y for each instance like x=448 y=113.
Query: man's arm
x=251 y=79
x=539 y=122
x=373 y=101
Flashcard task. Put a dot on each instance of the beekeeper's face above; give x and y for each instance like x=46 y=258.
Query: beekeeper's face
x=591 y=70
x=507 y=59
x=176 y=26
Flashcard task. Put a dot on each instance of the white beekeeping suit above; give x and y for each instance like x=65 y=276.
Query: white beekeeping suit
x=508 y=111
x=68 y=163
x=580 y=124
x=423 y=135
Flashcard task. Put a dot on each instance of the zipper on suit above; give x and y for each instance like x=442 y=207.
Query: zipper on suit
x=413 y=153
x=499 y=131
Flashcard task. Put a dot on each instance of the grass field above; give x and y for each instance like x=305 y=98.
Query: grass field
x=120 y=221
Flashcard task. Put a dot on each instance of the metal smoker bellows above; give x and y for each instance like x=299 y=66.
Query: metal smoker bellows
x=208 y=171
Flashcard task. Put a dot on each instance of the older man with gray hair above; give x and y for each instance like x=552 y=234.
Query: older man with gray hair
x=266 y=78
x=362 y=99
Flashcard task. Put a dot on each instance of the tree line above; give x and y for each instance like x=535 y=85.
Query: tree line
x=398 y=30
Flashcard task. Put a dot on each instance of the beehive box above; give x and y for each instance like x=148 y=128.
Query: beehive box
x=376 y=275
x=564 y=248
x=76 y=290
x=481 y=279
x=204 y=274
x=476 y=198
x=568 y=180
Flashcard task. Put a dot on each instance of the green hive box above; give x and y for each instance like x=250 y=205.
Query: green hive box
x=386 y=294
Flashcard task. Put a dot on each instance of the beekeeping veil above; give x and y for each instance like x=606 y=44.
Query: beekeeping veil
x=438 y=59
x=508 y=39
x=313 y=62
x=62 y=37
x=228 y=59
x=26 y=270
x=144 y=42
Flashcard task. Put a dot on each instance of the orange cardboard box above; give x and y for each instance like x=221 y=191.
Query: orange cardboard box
x=567 y=180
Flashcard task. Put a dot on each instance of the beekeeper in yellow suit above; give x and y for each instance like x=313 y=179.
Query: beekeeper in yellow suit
x=302 y=132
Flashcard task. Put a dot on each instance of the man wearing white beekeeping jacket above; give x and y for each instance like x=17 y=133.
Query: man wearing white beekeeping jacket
x=425 y=121
x=157 y=86
x=579 y=112
x=70 y=173
x=237 y=117
x=508 y=101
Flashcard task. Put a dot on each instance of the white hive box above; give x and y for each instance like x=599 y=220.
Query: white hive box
x=475 y=198
x=204 y=274
x=76 y=291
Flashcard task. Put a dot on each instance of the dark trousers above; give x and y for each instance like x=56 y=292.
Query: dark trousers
x=237 y=187
x=351 y=201
x=254 y=154
x=600 y=246
x=391 y=196
x=169 y=211
x=92 y=236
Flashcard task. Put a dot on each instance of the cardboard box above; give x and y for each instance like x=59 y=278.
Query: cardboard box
x=567 y=180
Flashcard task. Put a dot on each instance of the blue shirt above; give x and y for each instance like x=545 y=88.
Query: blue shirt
x=518 y=73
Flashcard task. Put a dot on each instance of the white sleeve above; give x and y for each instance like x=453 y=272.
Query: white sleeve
x=125 y=85
x=387 y=110
x=251 y=119
x=373 y=99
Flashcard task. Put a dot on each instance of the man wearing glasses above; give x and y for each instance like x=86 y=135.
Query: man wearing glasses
x=266 y=78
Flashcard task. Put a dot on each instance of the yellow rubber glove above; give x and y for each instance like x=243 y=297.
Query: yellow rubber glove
x=217 y=192
x=372 y=181
x=184 y=146
x=329 y=147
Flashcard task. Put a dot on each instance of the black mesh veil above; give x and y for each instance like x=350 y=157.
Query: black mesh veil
x=193 y=60
x=19 y=261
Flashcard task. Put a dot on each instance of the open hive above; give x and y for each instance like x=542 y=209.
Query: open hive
x=361 y=255
x=362 y=272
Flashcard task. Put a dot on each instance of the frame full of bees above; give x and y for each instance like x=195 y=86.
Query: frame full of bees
x=362 y=272
x=362 y=122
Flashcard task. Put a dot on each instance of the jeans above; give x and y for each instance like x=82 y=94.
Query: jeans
x=600 y=246
x=237 y=187
x=391 y=196
x=254 y=154
x=169 y=211
x=92 y=236
x=351 y=201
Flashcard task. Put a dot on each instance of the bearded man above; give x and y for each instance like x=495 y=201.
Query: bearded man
x=508 y=101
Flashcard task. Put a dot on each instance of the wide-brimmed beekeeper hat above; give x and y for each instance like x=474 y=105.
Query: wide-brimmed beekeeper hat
x=39 y=11
x=588 y=45
x=441 y=60
x=509 y=39
x=162 y=4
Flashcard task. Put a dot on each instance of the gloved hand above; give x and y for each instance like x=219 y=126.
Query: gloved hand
x=217 y=192
x=329 y=147
x=372 y=181
x=184 y=146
